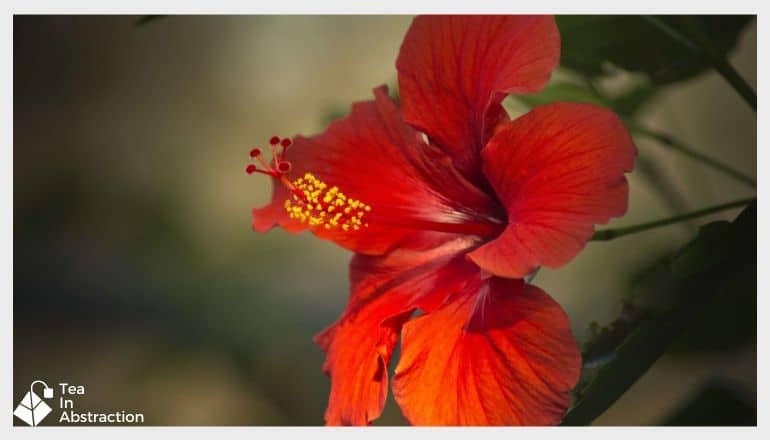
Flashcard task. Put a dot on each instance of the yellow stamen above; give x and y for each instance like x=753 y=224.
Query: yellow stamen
x=318 y=201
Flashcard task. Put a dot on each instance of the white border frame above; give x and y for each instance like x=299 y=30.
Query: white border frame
x=311 y=7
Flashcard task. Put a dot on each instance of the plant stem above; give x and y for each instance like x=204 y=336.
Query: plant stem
x=650 y=324
x=610 y=234
x=736 y=80
x=676 y=145
x=705 y=48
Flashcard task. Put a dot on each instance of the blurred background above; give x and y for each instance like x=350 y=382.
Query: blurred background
x=136 y=272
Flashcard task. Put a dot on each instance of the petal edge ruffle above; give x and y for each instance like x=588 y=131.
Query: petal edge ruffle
x=384 y=292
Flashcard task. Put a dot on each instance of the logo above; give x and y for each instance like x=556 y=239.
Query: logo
x=32 y=409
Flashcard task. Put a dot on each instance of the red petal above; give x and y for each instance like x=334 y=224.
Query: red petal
x=272 y=214
x=454 y=71
x=385 y=291
x=373 y=156
x=358 y=352
x=558 y=170
x=500 y=355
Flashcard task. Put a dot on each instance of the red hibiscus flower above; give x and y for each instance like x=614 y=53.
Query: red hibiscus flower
x=448 y=204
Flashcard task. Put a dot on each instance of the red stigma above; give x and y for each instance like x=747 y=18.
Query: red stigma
x=284 y=167
x=275 y=166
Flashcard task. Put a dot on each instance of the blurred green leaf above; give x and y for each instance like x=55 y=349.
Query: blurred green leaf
x=626 y=103
x=718 y=403
x=629 y=102
x=596 y=44
x=626 y=349
x=735 y=311
x=699 y=255
x=561 y=91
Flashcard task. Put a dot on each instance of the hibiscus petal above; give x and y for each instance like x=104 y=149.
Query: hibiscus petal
x=274 y=213
x=501 y=353
x=373 y=156
x=385 y=290
x=358 y=352
x=558 y=170
x=438 y=261
x=454 y=71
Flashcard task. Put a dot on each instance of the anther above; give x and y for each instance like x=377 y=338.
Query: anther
x=251 y=169
x=275 y=140
x=285 y=143
x=317 y=204
x=255 y=153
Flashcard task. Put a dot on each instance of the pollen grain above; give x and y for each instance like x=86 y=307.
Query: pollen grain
x=325 y=206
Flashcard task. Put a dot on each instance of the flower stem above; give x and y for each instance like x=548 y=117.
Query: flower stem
x=676 y=145
x=705 y=48
x=610 y=234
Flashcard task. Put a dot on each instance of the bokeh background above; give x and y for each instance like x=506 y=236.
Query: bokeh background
x=136 y=272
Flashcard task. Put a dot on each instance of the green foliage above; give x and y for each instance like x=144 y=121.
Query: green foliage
x=714 y=263
x=595 y=45
x=626 y=103
x=561 y=91
x=699 y=255
x=717 y=403
x=728 y=322
x=630 y=101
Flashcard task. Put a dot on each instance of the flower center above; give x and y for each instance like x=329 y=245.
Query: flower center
x=312 y=201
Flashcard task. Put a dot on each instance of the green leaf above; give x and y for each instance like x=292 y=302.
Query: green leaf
x=699 y=255
x=626 y=349
x=629 y=102
x=626 y=103
x=717 y=403
x=735 y=311
x=595 y=45
x=561 y=91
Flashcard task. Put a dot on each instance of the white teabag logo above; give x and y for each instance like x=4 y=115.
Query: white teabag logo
x=32 y=409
